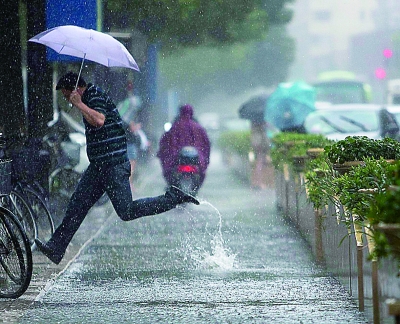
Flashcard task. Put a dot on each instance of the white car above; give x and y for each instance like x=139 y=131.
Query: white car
x=395 y=110
x=337 y=122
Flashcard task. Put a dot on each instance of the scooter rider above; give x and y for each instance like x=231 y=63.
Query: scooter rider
x=109 y=168
x=185 y=131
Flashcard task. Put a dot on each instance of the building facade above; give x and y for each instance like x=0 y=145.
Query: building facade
x=348 y=35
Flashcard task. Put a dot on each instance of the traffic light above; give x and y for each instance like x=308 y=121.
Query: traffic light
x=388 y=53
x=380 y=73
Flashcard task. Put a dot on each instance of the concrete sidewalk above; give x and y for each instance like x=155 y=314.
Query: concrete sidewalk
x=276 y=280
x=45 y=272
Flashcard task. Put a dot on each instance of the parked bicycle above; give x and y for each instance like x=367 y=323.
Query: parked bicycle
x=41 y=213
x=15 y=250
x=16 y=204
x=27 y=198
x=66 y=143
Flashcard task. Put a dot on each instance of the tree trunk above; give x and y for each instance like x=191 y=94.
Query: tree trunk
x=40 y=106
x=12 y=120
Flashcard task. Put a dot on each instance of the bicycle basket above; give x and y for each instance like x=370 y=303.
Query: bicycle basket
x=5 y=177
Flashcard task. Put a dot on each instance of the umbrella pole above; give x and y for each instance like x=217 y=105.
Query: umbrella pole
x=77 y=80
x=80 y=71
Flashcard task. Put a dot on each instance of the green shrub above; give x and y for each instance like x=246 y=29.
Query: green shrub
x=358 y=148
x=386 y=209
x=287 y=145
x=373 y=174
x=318 y=181
x=236 y=141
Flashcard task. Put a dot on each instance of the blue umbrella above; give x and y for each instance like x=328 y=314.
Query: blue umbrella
x=288 y=106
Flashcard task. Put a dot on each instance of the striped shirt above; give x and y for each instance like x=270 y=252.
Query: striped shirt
x=106 y=145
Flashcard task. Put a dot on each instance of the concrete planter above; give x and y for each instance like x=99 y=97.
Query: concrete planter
x=346 y=166
x=335 y=246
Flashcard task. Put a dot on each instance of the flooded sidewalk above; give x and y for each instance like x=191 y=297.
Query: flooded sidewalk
x=233 y=259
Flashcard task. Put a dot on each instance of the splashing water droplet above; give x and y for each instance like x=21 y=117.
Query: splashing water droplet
x=220 y=257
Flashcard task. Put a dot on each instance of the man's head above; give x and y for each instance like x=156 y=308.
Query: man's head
x=68 y=81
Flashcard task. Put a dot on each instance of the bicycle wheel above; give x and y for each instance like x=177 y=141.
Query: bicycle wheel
x=62 y=183
x=20 y=208
x=15 y=257
x=37 y=187
x=41 y=213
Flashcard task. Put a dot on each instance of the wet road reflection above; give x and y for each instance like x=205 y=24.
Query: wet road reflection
x=236 y=263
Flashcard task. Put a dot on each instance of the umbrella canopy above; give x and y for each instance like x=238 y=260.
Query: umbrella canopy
x=253 y=109
x=289 y=105
x=87 y=44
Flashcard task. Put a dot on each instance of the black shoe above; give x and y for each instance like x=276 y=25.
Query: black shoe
x=49 y=252
x=181 y=197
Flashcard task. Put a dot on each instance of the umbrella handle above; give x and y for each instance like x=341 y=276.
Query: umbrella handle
x=80 y=70
x=77 y=80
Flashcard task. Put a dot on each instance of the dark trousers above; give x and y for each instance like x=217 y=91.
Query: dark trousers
x=114 y=181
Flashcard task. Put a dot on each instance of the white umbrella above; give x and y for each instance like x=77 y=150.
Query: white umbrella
x=87 y=44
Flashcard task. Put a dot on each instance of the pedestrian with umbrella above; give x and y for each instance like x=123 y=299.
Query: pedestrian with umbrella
x=288 y=106
x=109 y=168
x=253 y=110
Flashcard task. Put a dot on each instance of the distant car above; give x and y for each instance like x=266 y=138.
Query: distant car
x=339 y=121
x=395 y=110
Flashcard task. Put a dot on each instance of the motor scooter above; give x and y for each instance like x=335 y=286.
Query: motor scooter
x=186 y=175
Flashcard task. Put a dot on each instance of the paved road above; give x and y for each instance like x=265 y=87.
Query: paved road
x=232 y=259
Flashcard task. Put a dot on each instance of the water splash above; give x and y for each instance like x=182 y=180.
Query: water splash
x=220 y=256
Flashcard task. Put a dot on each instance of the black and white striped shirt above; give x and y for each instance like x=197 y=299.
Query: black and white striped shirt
x=106 y=145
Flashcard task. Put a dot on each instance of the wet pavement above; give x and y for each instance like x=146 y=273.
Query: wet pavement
x=233 y=259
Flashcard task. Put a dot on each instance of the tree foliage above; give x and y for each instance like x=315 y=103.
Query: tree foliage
x=197 y=22
x=229 y=68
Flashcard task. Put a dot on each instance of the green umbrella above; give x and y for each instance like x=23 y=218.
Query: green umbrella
x=289 y=104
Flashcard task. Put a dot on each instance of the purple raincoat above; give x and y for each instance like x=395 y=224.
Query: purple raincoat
x=184 y=132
